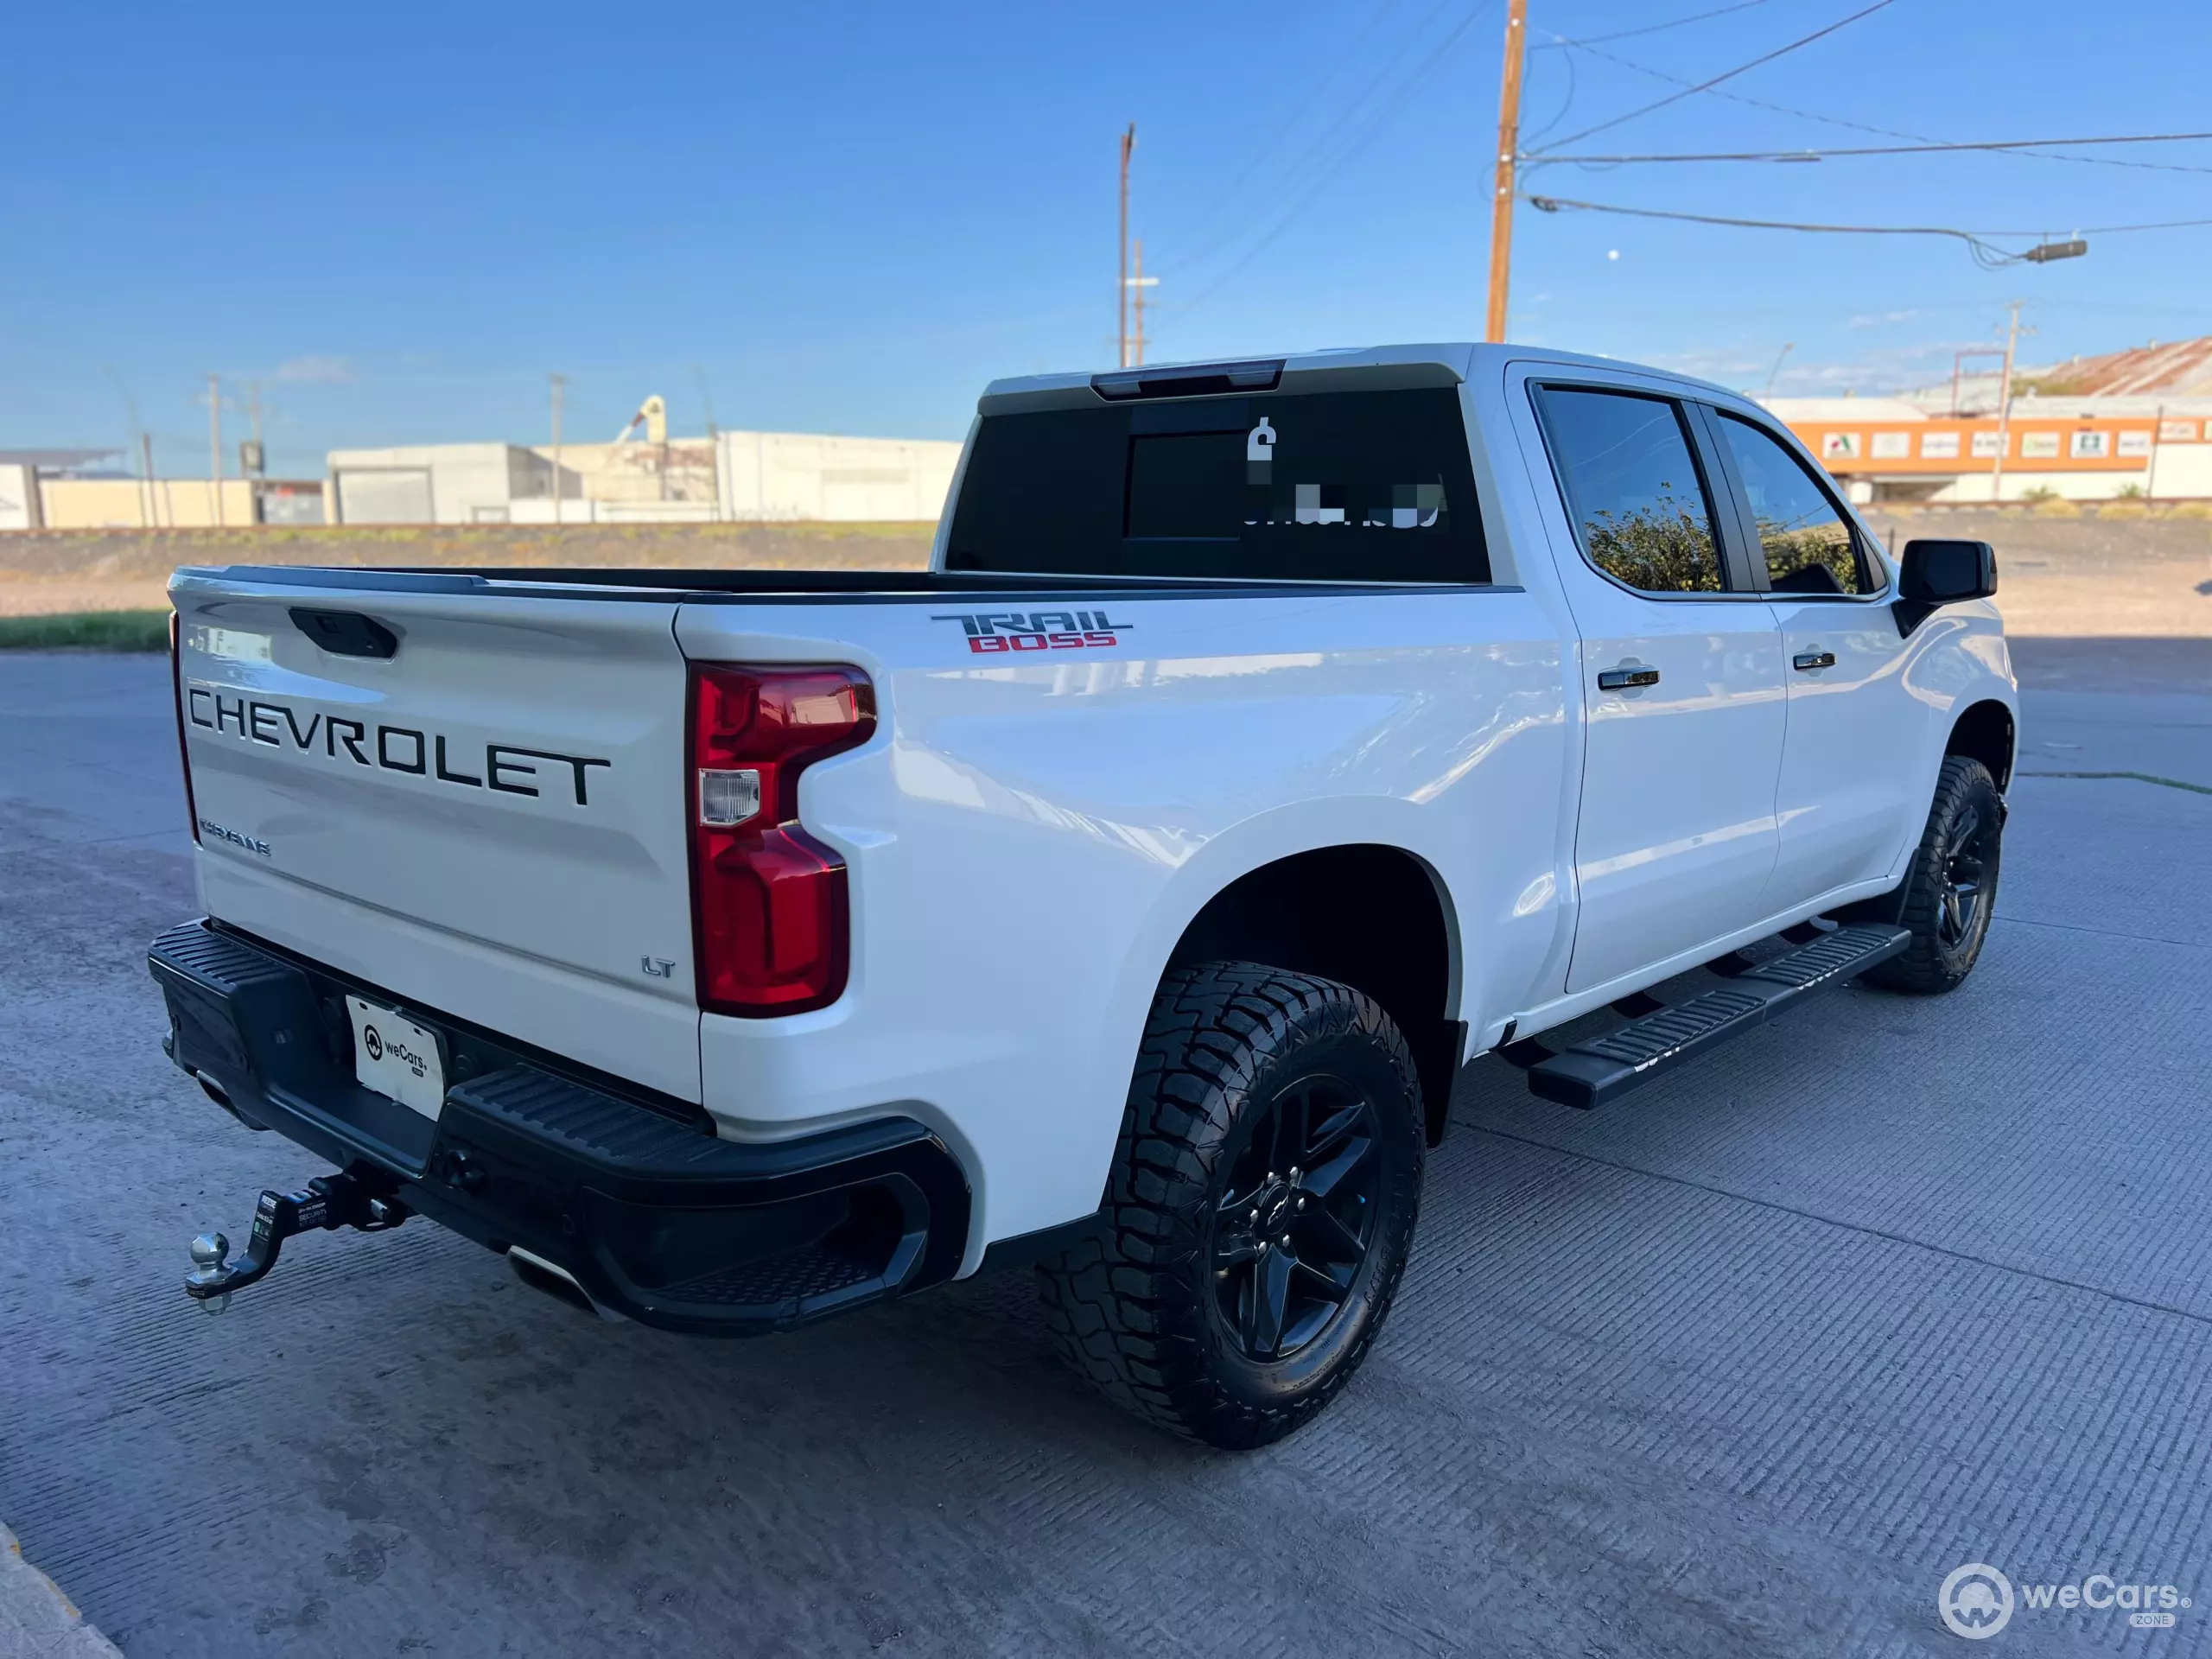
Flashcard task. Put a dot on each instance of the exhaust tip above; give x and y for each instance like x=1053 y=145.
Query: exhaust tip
x=555 y=1281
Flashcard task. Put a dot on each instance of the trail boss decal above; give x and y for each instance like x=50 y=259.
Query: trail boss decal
x=507 y=767
x=1036 y=630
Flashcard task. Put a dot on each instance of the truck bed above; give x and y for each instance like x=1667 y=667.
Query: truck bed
x=551 y=580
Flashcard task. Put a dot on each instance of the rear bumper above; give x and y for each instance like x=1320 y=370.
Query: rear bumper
x=636 y=1199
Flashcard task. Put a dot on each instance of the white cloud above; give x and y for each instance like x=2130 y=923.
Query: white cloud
x=326 y=370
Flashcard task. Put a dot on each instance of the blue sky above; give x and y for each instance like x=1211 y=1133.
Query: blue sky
x=848 y=217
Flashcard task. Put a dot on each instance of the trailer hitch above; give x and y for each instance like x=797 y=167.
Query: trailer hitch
x=330 y=1203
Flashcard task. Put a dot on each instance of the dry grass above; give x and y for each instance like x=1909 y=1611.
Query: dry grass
x=2110 y=574
x=87 y=630
x=45 y=571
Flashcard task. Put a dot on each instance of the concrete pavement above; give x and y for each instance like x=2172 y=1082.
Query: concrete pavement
x=1743 y=1366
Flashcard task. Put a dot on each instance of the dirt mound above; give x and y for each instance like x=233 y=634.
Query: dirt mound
x=128 y=555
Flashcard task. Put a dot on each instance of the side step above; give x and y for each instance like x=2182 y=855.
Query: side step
x=1592 y=1073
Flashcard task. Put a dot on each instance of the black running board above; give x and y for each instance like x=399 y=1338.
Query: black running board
x=1592 y=1073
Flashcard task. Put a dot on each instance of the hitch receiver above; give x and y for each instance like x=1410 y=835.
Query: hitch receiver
x=330 y=1203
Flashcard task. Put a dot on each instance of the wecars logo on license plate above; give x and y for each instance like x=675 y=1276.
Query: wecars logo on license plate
x=397 y=1057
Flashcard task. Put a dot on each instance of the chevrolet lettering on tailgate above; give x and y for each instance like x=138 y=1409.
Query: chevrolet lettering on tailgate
x=510 y=768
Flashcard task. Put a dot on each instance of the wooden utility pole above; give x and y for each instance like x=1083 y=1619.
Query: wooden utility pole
x=1508 y=145
x=1121 y=283
x=560 y=385
x=146 y=470
x=2005 y=408
x=215 y=443
x=1139 y=282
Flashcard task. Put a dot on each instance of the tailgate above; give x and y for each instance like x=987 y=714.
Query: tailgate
x=474 y=799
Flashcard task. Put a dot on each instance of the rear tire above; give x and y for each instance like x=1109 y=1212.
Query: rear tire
x=1950 y=887
x=1262 y=1201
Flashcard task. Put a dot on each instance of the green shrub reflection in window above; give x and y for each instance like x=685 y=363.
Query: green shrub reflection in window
x=1660 y=546
x=1807 y=547
x=1634 y=489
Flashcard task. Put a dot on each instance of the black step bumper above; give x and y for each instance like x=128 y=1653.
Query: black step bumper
x=633 y=1198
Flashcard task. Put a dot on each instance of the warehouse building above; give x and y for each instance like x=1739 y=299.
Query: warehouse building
x=2137 y=423
x=86 y=489
x=438 y=483
x=777 y=476
x=737 y=476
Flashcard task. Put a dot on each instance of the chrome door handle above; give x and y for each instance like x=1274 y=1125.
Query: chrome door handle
x=1626 y=679
x=1809 y=660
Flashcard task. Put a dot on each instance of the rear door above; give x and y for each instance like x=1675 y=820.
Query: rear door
x=474 y=799
x=1850 y=797
x=1682 y=673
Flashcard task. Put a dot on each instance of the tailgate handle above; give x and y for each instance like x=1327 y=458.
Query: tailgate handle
x=347 y=633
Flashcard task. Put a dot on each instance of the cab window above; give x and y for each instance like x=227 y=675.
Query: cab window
x=1632 y=488
x=1806 y=542
x=1346 y=486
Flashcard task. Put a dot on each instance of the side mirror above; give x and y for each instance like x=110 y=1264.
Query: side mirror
x=1944 y=572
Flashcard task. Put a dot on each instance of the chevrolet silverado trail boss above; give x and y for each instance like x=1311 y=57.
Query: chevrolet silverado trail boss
x=1120 y=896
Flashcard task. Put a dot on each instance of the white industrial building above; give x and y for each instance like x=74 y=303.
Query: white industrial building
x=438 y=484
x=777 y=476
x=753 y=477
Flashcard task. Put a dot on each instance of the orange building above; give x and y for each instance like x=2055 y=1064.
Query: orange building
x=1891 y=450
x=2131 y=423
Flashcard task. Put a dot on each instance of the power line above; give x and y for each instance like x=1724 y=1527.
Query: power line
x=1344 y=59
x=1302 y=165
x=1829 y=120
x=1729 y=74
x=1985 y=254
x=1654 y=28
x=1928 y=148
x=1379 y=120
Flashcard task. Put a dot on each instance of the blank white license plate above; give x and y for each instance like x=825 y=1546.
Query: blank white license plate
x=397 y=1057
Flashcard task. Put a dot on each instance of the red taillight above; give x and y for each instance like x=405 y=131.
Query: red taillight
x=184 y=756
x=769 y=916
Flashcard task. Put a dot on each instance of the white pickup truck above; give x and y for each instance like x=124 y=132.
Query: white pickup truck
x=1121 y=895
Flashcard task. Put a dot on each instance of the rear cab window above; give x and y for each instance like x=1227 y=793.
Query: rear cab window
x=1328 y=486
x=1630 y=480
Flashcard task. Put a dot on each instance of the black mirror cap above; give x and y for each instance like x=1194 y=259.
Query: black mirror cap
x=1943 y=572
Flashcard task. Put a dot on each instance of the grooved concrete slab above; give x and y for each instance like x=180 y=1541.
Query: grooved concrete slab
x=1743 y=1366
x=36 y=1620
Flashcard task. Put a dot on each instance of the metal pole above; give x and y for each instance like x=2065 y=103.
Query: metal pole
x=1139 y=282
x=1788 y=346
x=1509 y=145
x=714 y=439
x=146 y=467
x=215 y=443
x=2005 y=408
x=560 y=381
x=1121 y=283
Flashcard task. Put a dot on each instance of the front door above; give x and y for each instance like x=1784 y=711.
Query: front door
x=1848 y=804
x=1683 y=686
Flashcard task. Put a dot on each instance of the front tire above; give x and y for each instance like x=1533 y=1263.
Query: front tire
x=1261 y=1202
x=1950 y=888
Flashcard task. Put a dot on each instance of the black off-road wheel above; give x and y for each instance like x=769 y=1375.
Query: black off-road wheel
x=1950 y=887
x=1261 y=1202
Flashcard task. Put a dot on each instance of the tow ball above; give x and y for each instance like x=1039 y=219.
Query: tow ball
x=330 y=1203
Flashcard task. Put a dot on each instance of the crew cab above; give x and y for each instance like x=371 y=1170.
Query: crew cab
x=1119 y=897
